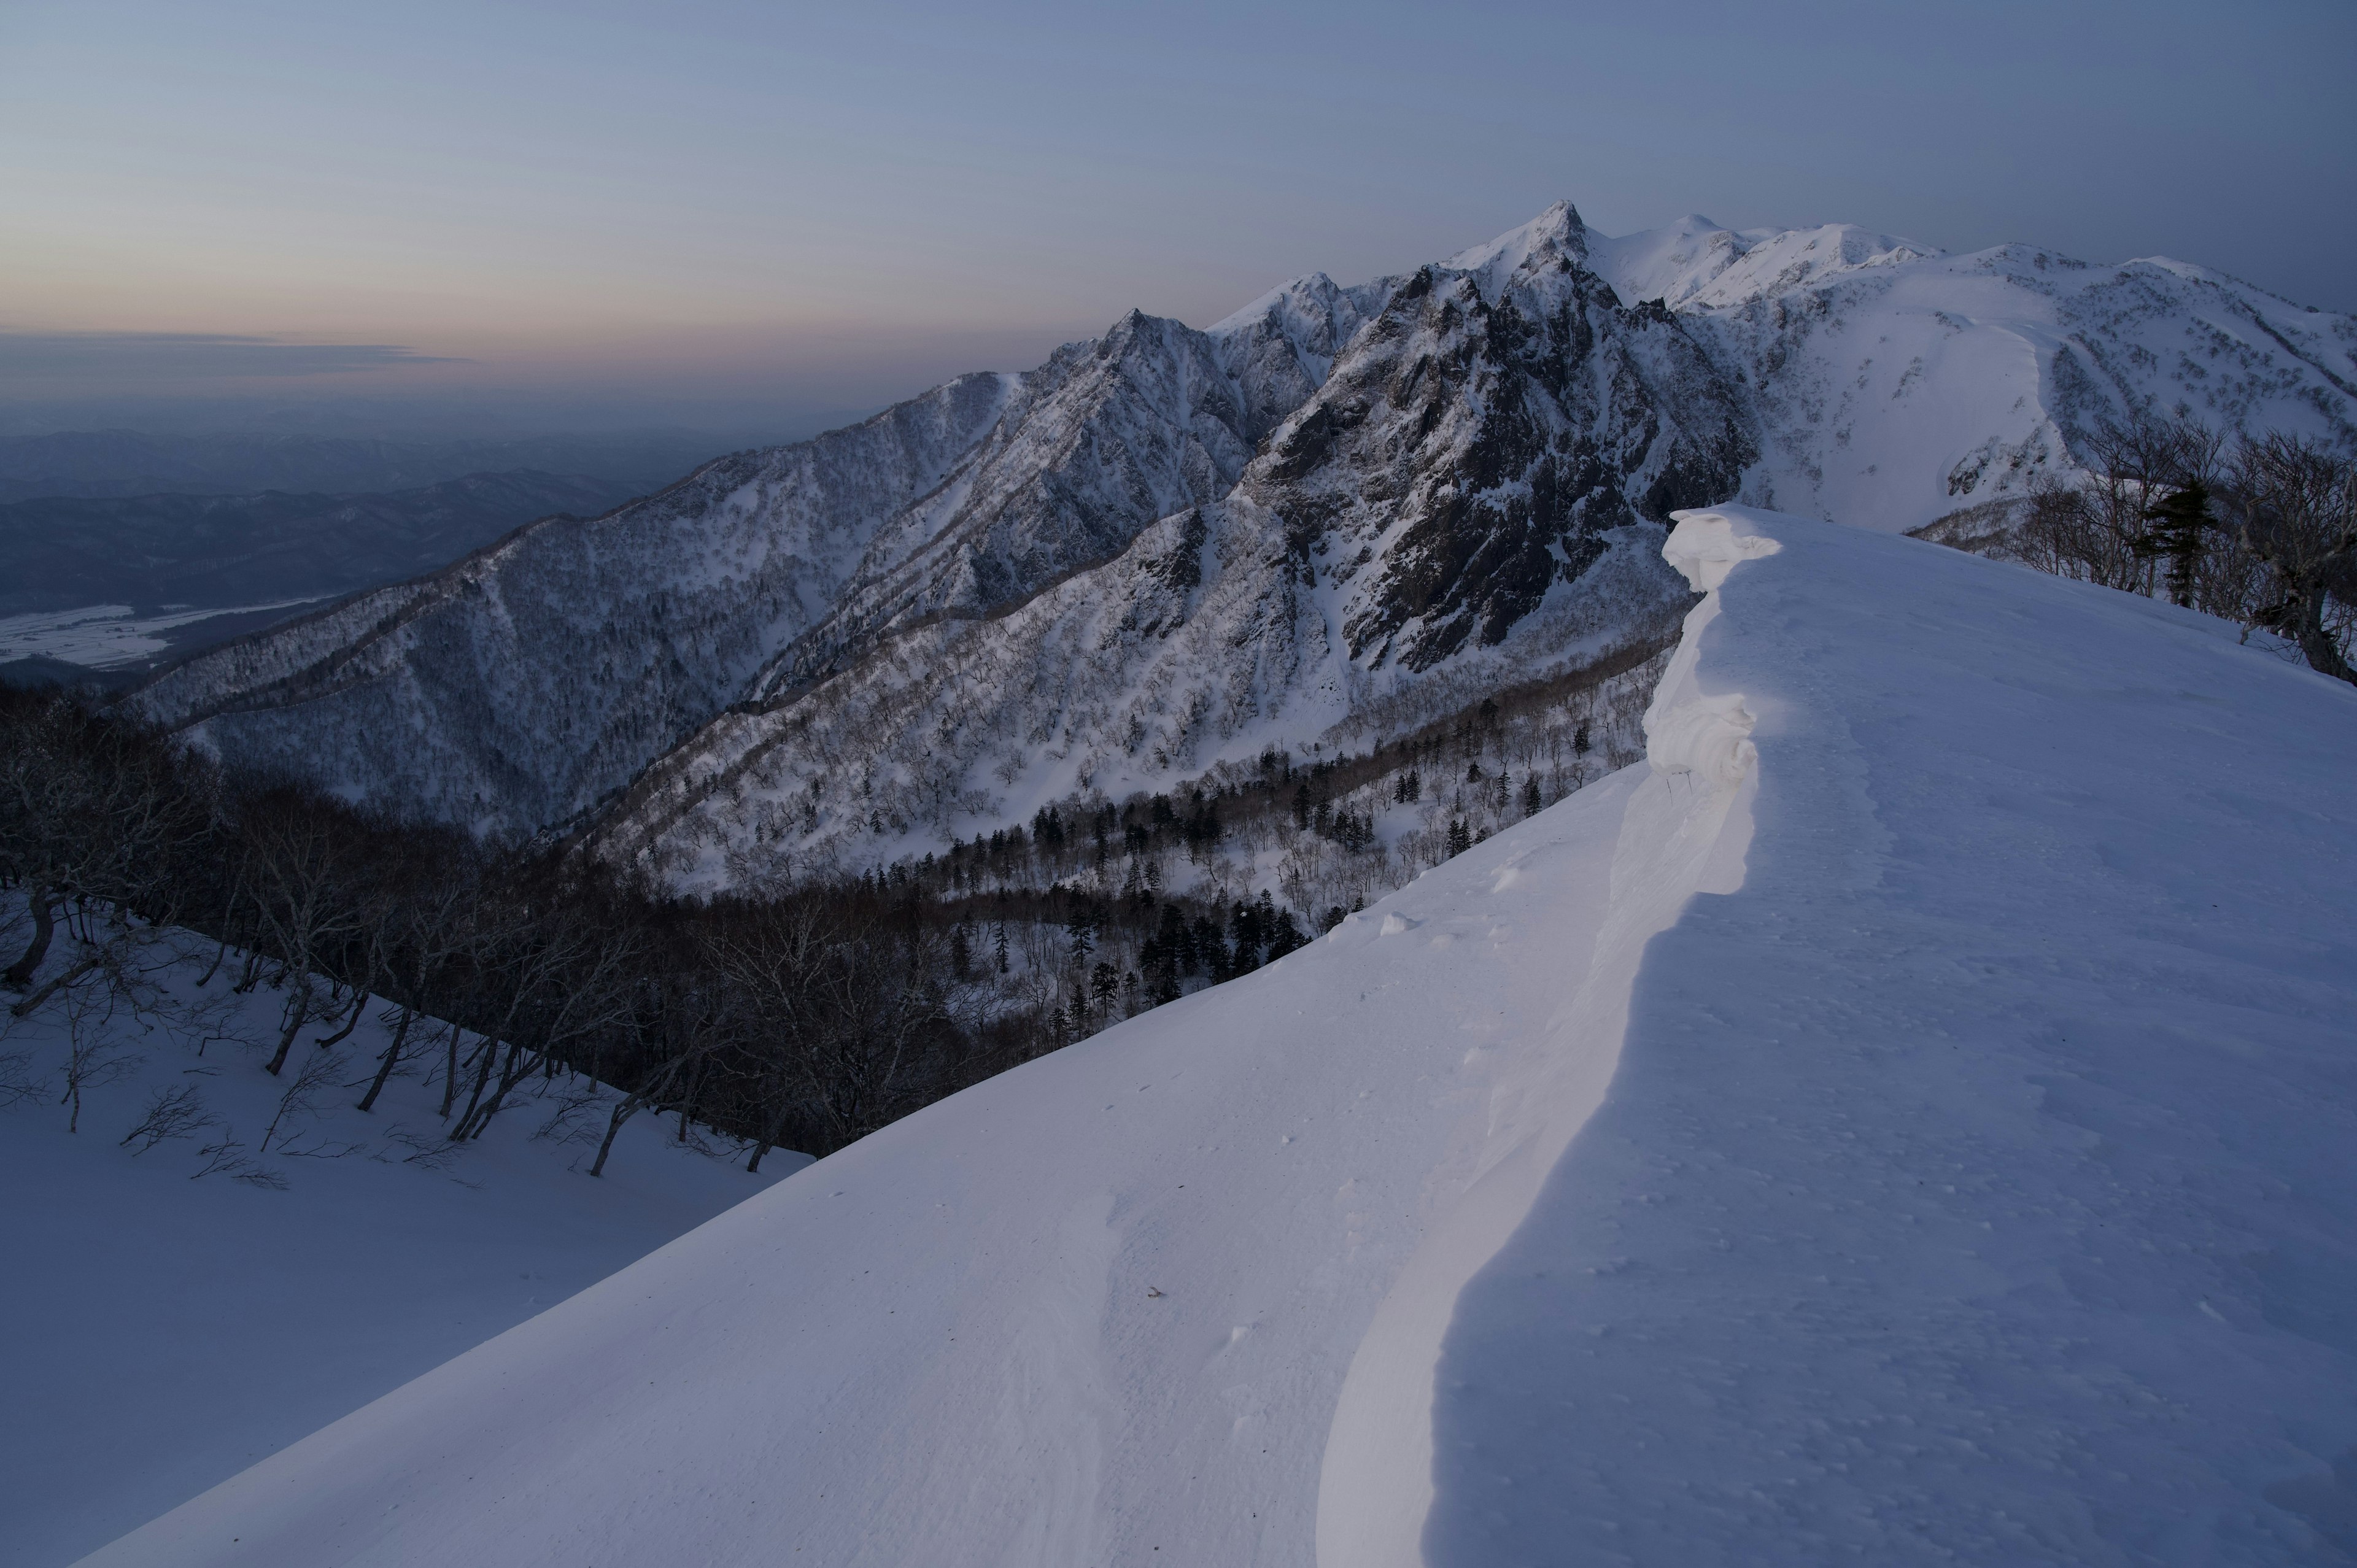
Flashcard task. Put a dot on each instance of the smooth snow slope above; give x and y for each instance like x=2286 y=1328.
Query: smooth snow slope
x=1974 y=1184
x=161 y=1330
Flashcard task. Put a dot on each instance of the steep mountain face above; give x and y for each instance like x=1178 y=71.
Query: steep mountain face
x=536 y=677
x=1168 y=546
x=1102 y=440
x=1448 y=496
x=528 y=684
x=1480 y=436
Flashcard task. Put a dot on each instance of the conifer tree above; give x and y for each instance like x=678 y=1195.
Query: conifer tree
x=2179 y=519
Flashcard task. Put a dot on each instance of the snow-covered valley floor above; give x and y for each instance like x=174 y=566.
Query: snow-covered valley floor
x=162 y=1327
x=1929 y=1136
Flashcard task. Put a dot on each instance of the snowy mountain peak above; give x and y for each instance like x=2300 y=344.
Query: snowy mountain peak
x=1306 y=296
x=1166 y=544
x=1694 y=263
x=1554 y=234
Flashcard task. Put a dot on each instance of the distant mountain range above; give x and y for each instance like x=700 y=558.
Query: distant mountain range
x=194 y=551
x=107 y=589
x=1339 y=512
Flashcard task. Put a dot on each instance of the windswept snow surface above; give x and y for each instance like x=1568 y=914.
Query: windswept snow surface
x=161 y=1327
x=1973 y=1183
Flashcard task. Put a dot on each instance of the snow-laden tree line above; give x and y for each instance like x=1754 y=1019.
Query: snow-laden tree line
x=804 y=1020
x=2259 y=529
x=788 y=1015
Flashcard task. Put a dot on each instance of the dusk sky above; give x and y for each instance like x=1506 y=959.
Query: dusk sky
x=765 y=215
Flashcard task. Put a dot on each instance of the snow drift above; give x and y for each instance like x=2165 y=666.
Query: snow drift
x=1908 y=1117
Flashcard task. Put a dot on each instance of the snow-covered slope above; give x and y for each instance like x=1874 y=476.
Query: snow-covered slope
x=1893 y=394
x=170 y=1314
x=1908 y=1118
x=1168 y=545
x=538 y=675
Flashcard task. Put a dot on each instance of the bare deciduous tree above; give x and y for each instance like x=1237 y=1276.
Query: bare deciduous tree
x=176 y=1112
x=2297 y=500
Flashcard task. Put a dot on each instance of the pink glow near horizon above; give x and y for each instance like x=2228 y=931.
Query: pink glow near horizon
x=735 y=200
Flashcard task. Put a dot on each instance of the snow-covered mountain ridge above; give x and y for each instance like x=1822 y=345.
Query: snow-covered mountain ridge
x=1170 y=546
x=1908 y=1118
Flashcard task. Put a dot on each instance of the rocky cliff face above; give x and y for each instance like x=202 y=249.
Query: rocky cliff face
x=1338 y=507
x=1483 y=433
x=1468 y=500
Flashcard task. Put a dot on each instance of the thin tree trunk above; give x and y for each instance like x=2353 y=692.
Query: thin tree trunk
x=480 y=1121
x=45 y=924
x=219 y=953
x=392 y=1058
x=229 y=923
x=491 y=1049
x=56 y=984
x=2314 y=641
x=687 y=1103
x=450 y=1074
x=773 y=1128
x=360 y=1005
x=299 y=1012
x=622 y=1112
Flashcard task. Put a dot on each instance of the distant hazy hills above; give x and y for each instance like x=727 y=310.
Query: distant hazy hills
x=203 y=552
x=125 y=584
x=133 y=463
x=124 y=549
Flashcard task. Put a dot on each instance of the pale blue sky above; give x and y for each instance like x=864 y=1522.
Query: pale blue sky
x=715 y=206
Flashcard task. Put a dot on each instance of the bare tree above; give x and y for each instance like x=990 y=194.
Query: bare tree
x=771 y=962
x=91 y=813
x=679 y=1044
x=171 y=1113
x=300 y=870
x=2099 y=526
x=2297 y=500
x=573 y=983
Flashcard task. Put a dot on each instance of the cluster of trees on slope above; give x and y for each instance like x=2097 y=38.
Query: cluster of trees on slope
x=2260 y=529
x=1322 y=833
x=805 y=1021
x=801 y=1016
